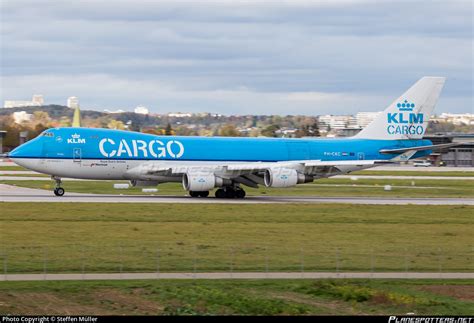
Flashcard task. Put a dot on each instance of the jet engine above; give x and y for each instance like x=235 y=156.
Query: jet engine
x=202 y=181
x=284 y=177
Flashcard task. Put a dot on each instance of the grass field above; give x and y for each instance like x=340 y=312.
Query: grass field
x=248 y=297
x=322 y=187
x=64 y=237
x=15 y=168
x=25 y=175
x=414 y=172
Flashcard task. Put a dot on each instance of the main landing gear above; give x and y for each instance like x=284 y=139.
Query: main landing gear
x=199 y=193
x=58 y=190
x=221 y=193
x=230 y=193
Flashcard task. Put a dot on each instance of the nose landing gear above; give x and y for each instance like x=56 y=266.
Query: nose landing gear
x=58 y=190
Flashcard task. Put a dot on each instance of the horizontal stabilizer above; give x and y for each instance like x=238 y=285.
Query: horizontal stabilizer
x=319 y=163
x=419 y=148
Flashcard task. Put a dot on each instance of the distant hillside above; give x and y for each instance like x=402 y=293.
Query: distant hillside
x=58 y=111
x=54 y=111
x=139 y=120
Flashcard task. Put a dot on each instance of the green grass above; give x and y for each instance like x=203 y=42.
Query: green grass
x=322 y=187
x=242 y=297
x=24 y=175
x=97 y=237
x=414 y=172
x=16 y=168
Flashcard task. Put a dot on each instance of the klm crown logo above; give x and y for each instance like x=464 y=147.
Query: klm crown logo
x=405 y=106
x=76 y=139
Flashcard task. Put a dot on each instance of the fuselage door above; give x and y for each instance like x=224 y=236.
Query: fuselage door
x=77 y=155
x=360 y=156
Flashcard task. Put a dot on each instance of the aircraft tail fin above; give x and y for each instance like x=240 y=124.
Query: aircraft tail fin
x=407 y=117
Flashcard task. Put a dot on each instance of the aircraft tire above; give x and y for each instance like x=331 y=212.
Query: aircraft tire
x=194 y=193
x=240 y=194
x=59 y=191
x=229 y=193
x=220 y=193
x=204 y=194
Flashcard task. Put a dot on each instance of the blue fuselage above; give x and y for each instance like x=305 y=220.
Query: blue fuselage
x=84 y=143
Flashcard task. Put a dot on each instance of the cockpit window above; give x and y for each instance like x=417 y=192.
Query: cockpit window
x=48 y=134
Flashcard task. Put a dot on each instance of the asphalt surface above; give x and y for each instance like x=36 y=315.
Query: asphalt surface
x=12 y=176
x=10 y=193
x=228 y=275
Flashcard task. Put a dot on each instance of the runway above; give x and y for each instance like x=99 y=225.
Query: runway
x=10 y=193
x=32 y=176
x=229 y=275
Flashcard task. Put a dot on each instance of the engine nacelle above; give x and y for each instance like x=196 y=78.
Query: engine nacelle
x=284 y=177
x=202 y=181
x=137 y=183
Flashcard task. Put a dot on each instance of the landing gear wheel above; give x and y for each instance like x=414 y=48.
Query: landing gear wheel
x=194 y=193
x=59 y=191
x=204 y=194
x=220 y=193
x=229 y=193
x=240 y=194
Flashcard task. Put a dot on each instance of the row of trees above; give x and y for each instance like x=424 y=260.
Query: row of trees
x=12 y=136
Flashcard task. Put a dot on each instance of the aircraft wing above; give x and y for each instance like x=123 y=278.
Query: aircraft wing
x=150 y=169
x=298 y=164
x=315 y=168
x=250 y=173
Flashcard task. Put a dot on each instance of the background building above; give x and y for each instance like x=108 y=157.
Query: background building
x=458 y=156
x=3 y=133
x=336 y=122
x=364 y=118
x=180 y=115
x=22 y=116
x=114 y=111
x=455 y=118
x=36 y=101
x=141 y=110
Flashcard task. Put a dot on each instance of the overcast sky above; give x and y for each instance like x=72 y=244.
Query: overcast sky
x=236 y=57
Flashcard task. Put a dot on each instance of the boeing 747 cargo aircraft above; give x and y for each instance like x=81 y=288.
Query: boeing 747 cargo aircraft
x=202 y=164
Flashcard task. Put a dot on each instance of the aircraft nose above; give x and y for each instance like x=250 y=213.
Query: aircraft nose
x=15 y=152
x=21 y=151
x=22 y=155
